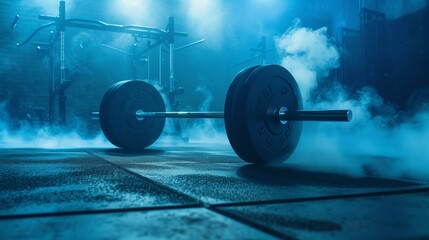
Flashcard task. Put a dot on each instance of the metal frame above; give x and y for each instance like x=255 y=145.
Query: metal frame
x=61 y=23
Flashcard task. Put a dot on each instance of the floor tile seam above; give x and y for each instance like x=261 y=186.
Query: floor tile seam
x=100 y=211
x=217 y=208
x=250 y=223
x=323 y=198
x=145 y=209
x=148 y=179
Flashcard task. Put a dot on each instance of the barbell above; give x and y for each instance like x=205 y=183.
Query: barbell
x=263 y=114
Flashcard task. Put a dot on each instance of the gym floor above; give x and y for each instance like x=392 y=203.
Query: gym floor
x=197 y=192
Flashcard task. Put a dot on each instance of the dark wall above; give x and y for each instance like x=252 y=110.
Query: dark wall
x=387 y=51
x=408 y=54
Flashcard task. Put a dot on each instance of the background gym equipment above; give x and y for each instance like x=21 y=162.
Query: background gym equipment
x=263 y=114
x=59 y=79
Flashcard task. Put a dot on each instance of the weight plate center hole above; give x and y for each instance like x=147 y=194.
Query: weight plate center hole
x=140 y=115
x=274 y=110
x=281 y=112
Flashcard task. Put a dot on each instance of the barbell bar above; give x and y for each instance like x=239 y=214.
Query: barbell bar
x=263 y=114
x=282 y=115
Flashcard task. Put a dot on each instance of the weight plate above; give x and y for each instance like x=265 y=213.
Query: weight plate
x=104 y=108
x=117 y=114
x=232 y=127
x=262 y=138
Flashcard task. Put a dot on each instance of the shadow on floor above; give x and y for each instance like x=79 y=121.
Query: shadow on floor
x=287 y=175
x=129 y=152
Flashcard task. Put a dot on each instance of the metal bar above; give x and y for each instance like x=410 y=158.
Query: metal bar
x=171 y=46
x=99 y=25
x=113 y=28
x=301 y=115
x=328 y=115
x=116 y=49
x=189 y=45
x=141 y=115
x=61 y=29
x=149 y=32
x=180 y=115
x=160 y=65
x=34 y=33
x=15 y=22
x=51 y=79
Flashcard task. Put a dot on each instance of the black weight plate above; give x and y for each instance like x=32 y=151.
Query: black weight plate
x=263 y=138
x=104 y=109
x=117 y=114
x=232 y=127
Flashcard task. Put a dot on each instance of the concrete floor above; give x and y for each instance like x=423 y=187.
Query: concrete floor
x=197 y=192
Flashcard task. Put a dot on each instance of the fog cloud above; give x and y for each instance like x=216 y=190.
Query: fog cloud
x=376 y=142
